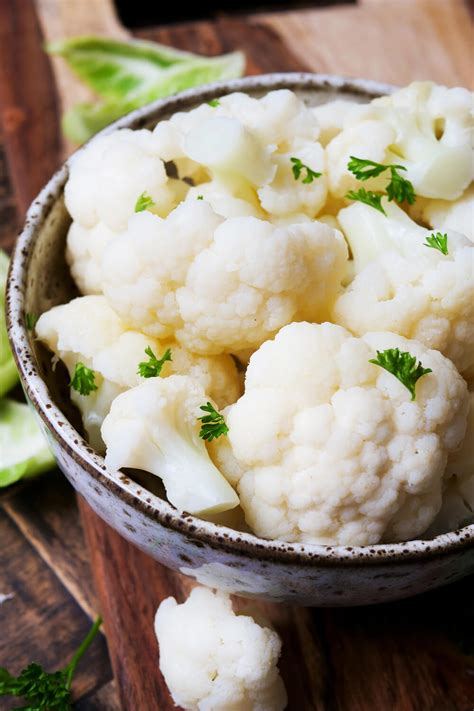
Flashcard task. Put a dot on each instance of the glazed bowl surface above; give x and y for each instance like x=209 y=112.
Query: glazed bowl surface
x=213 y=554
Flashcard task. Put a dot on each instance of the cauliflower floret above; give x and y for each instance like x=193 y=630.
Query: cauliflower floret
x=331 y=118
x=285 y=195
x=213 y=659
x=403 y=286
x=236 y=200
x=155 y=427
x=457 y=215
x=84 y=250
x=424 y=127
x=109 y=174
x=458 y=498
x=88 y=331
x=221 y=286
x=326 y=447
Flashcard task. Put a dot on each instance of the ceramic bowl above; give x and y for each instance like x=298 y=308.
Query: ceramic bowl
x=214 y=555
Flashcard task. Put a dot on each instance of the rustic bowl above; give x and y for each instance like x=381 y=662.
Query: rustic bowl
x=213 y=554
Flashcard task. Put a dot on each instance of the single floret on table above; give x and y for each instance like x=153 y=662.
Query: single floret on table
x=212 y=658
x=221 y=286
x=327 y=447
x=87 y=331
x=409 y=280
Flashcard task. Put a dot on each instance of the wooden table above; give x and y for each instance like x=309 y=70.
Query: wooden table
x=414 y=655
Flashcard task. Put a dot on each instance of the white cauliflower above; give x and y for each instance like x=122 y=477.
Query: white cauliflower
x=403 y=286
x=109 y=174
x=424 y=127
x=88 y=331
x=221 y=286
x=326 y=447
x=215 y=660
x=84 y=249
x=285 y=195
x=458 y=497
x=155 y=427
x=457 y=215
x=238 y=200
x=331 y=118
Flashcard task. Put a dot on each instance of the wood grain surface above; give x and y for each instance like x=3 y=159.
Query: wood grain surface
x=416 y=655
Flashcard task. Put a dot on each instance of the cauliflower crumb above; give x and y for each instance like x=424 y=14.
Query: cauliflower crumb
x=215 y=660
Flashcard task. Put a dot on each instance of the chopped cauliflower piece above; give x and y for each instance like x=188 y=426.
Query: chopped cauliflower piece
x=213 y=659
x=326 y=447
x=456 y=215
x=236 y=200
x=88 y=331
x=109 y=174
x=221 y=286
x=331 y=118
x=84 y=250
x=155 y=427
x=404 y=286
x=424 y=127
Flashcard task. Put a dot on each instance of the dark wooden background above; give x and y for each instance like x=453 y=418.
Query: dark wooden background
x=61 y=563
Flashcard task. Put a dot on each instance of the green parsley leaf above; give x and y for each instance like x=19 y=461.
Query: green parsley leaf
x=83 y=379
x=402 y=365
x=214 y=103
x=297 y=168
x=153 y=366
x=213 y=424
x=438 y=241
x=368 y=197
x=399 y=189
x=144 y=202
x=200 y=197
x=46 y=691
x=31 y=320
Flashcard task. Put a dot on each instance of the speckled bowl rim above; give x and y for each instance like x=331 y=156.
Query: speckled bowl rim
x=130 y=492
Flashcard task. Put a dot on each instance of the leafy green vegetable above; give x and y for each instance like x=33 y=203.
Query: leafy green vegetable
x=23 y=449
x=438 y=241
x=399 y=189
x=129 y=74
x=297 y=169
x=8 y=371
x=402 y=365
x=213 y=424
x=83 y=379
x=368 y=197
x=46 y=691
x=144 y=202
x=153 y=366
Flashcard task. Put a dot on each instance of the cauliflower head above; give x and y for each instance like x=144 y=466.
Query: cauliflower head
x=403 y=286
x=457 y=509
x=109 y=174
x=221 y=286
x=424 y=127
x=88 y=331
x=154 y=426
x=212 y=658
x=326 y=447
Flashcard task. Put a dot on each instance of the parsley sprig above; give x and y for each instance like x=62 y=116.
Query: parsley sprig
x=46 y=691
x=83 y=379
x=214 y=103
x=144 y=202
x=213 y=424
x=398 y=190
x=402 y=365
x=152 y=367
x=437 y=241
x=298 y=167
x=368 y=197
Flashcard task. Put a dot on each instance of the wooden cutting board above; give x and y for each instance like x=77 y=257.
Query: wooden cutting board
x=411 y=656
